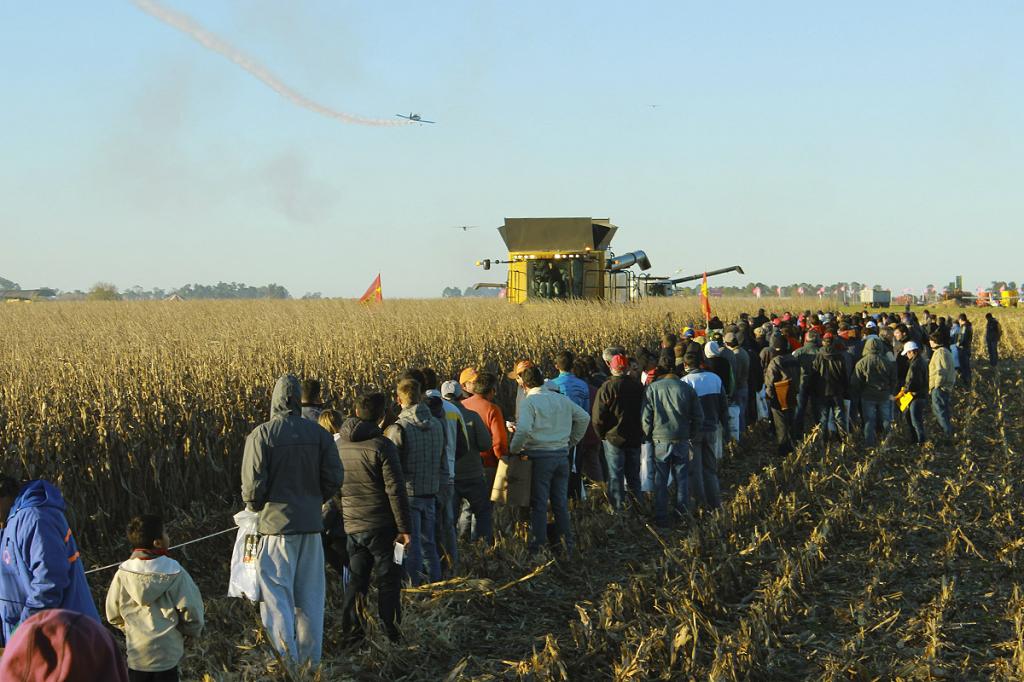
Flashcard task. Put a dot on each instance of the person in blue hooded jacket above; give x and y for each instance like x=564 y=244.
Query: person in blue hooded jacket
x=40 y=566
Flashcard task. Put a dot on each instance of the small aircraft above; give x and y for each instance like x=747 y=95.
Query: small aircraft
x=415 y=118
x=465 y=228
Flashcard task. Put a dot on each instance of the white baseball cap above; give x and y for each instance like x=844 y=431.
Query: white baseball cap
x=909 y=346
x=451 y=389
x=871 y=325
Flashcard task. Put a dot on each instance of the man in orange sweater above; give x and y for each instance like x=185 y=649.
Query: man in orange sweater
x=482 y=388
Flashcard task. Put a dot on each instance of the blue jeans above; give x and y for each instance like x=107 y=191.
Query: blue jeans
x=915 y=420
x=877 y=417
x=475 y=519
x=623 y=465
x=422 y=547
x=549 y=481
x=741 y=398
x=830 y=416
x=703 y=470
x=940 y=407
x=671 y=459
x=444 y=528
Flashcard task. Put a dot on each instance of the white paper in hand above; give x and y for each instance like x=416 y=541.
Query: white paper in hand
x=399 y=553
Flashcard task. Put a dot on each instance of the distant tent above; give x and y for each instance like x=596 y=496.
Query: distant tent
x=174 y=297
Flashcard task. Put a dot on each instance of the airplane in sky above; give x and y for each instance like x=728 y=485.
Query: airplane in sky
x=465 y=228
x=415 y=118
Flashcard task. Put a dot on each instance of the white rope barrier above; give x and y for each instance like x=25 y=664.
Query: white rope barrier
x=183 y=544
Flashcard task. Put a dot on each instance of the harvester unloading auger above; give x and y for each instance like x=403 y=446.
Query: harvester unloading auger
x=569 y=258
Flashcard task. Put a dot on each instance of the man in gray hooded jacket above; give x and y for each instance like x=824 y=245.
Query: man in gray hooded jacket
x=289 y=469
x=420 y=440
x=874 y=382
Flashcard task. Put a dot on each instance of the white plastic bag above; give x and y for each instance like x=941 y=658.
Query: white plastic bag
x=647 y=467
x=762 y=405
x=244 y=580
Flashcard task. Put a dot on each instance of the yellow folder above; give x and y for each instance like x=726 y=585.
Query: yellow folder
x=905 y=401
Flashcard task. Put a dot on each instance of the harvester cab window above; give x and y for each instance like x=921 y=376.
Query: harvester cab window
x=556 y=279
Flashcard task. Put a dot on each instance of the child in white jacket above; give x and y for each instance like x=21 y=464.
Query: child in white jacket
x=155 y=601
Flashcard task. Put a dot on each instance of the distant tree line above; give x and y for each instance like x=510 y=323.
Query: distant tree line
x=105 y=291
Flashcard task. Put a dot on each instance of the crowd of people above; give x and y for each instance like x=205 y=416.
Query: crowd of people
x=387 y=494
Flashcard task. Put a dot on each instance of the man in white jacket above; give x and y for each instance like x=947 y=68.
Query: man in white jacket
x=548 y=425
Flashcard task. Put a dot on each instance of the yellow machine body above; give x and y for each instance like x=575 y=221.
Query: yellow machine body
x=556 y=275
x=557 y=258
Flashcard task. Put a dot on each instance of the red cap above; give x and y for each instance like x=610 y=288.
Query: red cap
x=618 y=363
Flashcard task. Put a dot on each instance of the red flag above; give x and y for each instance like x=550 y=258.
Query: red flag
x=705 y=299
x=373 y=294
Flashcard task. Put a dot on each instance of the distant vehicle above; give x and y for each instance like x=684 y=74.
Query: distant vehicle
x=415 y=118
x=876 y=298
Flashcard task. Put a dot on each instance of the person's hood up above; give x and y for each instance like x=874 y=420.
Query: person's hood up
x=56 y=645
x=287 y=397
x=355 y=430
x=435 y=404
x=149 y=578
x=712 y=349
x=419 y=415
x=873 y=345
x=829 y=349
x=38 y=493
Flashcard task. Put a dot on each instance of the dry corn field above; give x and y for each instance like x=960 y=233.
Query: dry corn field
x=837 y=563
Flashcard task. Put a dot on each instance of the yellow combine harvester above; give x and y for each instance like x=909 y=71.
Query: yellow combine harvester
x=569 y=258
x=564 y=258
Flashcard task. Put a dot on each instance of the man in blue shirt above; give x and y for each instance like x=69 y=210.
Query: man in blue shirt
x=568 y=383
x=576 y=390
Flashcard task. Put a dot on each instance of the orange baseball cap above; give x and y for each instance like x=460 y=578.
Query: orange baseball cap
x=468 y=375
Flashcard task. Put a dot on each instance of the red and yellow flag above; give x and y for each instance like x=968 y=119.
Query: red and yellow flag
x=373 y=294
x=705 y=299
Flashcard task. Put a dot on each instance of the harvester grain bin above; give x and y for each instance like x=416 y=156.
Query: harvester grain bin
x=565 y=258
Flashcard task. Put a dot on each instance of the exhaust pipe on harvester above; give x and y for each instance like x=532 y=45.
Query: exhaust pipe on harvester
x=628 y=260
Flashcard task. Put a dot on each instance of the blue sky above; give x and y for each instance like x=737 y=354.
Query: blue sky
x=878 y=142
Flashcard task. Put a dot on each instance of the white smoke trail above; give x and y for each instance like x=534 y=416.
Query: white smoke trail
x=212 y=42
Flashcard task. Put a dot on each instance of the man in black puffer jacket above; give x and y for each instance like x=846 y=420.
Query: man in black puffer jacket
x=375 y=510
